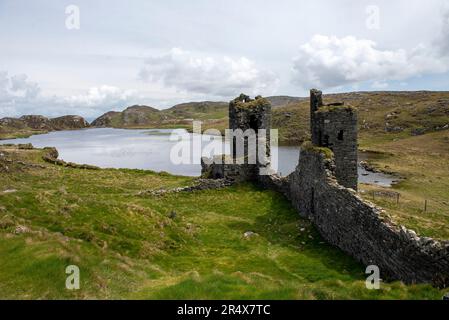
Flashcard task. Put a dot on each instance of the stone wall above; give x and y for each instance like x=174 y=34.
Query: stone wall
x=358 y=227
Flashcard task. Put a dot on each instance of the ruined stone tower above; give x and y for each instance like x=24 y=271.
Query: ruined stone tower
x=249 y=115
x=250 y=124
x=334 y=126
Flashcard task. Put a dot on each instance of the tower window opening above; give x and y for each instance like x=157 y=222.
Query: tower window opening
x=326 y=141
x=341 y=135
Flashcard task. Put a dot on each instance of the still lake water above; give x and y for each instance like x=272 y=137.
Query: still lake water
x=154 y=149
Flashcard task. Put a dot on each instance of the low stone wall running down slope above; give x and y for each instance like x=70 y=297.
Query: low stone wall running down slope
x=358 y=227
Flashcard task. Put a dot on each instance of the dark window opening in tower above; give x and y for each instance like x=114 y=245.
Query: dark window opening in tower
x=341 y=135
x=326 y=141
x=254 y=123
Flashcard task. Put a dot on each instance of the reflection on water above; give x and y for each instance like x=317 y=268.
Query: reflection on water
x=156 y=150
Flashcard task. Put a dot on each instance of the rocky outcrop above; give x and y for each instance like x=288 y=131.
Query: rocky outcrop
x=36 y=123
x=106 y=120
x=12 y=123
x=69 y=122
x=133 y=116
x=51 y=156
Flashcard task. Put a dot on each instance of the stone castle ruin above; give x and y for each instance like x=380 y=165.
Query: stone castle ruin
x=334 y=126
x=323 y=189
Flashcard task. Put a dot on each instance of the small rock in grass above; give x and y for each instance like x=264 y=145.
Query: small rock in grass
x=21 y=230
x=249 y=234
x=446 y=297
x=9 y=191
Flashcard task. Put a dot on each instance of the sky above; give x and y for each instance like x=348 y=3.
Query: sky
x=92 y=56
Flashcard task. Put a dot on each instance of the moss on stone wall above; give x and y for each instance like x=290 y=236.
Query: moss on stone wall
x=326 y=152
x=333 y=108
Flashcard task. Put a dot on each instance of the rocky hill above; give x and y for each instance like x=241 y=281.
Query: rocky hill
x=34 y=124
x=134 y=116
x=280 y=101
x=178 y=115
x=382 y=115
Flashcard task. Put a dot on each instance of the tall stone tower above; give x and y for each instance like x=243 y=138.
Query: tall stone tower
x=250 y=114
x=247 y=117
x=334 y=126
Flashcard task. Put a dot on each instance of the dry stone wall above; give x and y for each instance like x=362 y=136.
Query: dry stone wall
x=358 y=227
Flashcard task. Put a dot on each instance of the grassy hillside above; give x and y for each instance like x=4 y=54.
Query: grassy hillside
x=423 y=163
x=26 y=126
x=189 y=246
x=383 y=116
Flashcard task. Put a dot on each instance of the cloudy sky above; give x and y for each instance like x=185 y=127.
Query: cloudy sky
x=160 y=53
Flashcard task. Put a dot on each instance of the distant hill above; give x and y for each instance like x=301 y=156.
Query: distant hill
x=133 y=116
x=382 y=115
x=280 y=101
x=178 y=115
x=33 y=124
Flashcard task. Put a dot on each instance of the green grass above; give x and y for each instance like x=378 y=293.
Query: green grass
x=423 y=163
x=127 y=246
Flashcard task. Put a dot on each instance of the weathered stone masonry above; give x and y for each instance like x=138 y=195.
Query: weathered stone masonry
x=334 y=126
x=325 y=194
x=250 y=116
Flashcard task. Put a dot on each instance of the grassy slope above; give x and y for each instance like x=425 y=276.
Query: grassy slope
x=127 y=247
x=12 y=133
x=424 y=163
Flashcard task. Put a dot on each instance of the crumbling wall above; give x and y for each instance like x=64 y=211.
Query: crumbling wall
x=361 y=229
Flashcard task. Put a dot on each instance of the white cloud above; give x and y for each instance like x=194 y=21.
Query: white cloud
x=220 y=77
x=102 y=96
x=379 y=85
x=331 y=61
x=19 y=96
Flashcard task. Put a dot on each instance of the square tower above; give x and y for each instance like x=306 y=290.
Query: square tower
x=250 y=115
x=334 y=126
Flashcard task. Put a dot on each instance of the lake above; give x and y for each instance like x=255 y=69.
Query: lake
x=156 y=150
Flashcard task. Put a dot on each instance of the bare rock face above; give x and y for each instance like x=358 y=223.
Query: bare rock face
x=36 y=122
x=69 y=122
x=12 y=123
